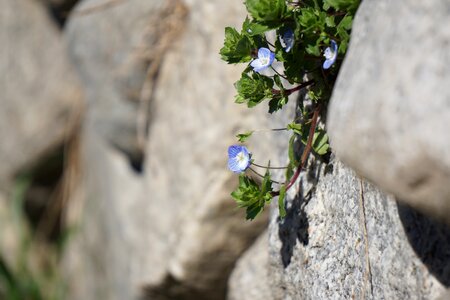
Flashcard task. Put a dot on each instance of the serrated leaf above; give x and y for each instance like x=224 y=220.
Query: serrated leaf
x=251 y=196
x=237 y=48
x=269 y=12
x=253 y=90
x=242 y=137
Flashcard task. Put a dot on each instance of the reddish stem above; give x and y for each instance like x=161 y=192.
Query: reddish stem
x=305 y=153
x=294 y=89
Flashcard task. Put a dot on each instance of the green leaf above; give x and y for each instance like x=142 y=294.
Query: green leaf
x=281 y=198
x=253 y=90
x=277 y=80
x=237 y=48
x=293 y=159
x=320 y=142
x=277 y=103
x=329 y=20
x=295 y=127
x=345 y=23
x=242 y=137
x=254 y=28
x=269 y=12
x=312 y=20
x=250 y=196
x=342 y=5
x=313 y=50
x=266 y=186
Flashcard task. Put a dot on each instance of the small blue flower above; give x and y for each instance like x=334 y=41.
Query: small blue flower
x=288 y=39
x=264 y=60
x=238 y=158
x=330 y=55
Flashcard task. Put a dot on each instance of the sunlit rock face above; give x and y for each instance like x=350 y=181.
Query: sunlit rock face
x=389 y=115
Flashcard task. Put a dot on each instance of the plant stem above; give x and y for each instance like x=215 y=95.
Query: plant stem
x=305 y=153
x=294 y=89
x=301 y=86
x=267 y=167
x=278 y=73
x=260 y=175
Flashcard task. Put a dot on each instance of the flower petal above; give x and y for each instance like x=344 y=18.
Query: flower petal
x=327 y=64
x=288 y=40
x=238 y=158
x=233 y=165
x=257 y=65
x=330 y=55
x=334 y=46
x=264 y=53
x=234 y=150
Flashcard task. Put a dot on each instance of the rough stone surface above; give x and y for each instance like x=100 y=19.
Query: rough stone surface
x=250 y=278
x=171 y=231
x=38 y=109
x=343 y=239
x=390 y=111
x=110 y=51
x=194 y=121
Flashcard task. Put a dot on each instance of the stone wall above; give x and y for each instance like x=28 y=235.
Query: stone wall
x=151 y=201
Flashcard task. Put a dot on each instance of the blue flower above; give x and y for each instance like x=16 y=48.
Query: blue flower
x=264 y=60
x=288 y=40
x=238 y=158
x=330 y=55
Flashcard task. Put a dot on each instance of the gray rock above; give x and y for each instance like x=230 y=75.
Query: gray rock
x=41 y=100
x=344 y=239
x=172 y=230
x=250 y=278
x=445 y=296
x=390 y=111
x=115 y=59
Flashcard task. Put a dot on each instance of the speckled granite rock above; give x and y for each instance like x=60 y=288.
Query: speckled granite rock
x=345 y=239
x=389 y=117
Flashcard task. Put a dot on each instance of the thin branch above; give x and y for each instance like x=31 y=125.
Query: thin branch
x=268 y=167
x=278 y=73
x=262 y=176
x=294 y=89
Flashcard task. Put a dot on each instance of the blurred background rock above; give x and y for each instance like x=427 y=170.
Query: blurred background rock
x=115 y=117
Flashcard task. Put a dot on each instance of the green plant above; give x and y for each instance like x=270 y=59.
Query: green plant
x=312 y=37
x=30 y=275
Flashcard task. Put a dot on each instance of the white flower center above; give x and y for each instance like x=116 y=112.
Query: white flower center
x=241 y=158
x=264 y=60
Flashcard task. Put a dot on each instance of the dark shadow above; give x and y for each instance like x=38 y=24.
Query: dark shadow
x=430 y=240
x=172 y=289
x=61 y=10
x=294 y=227
x=42 y=197
x=137 y=162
